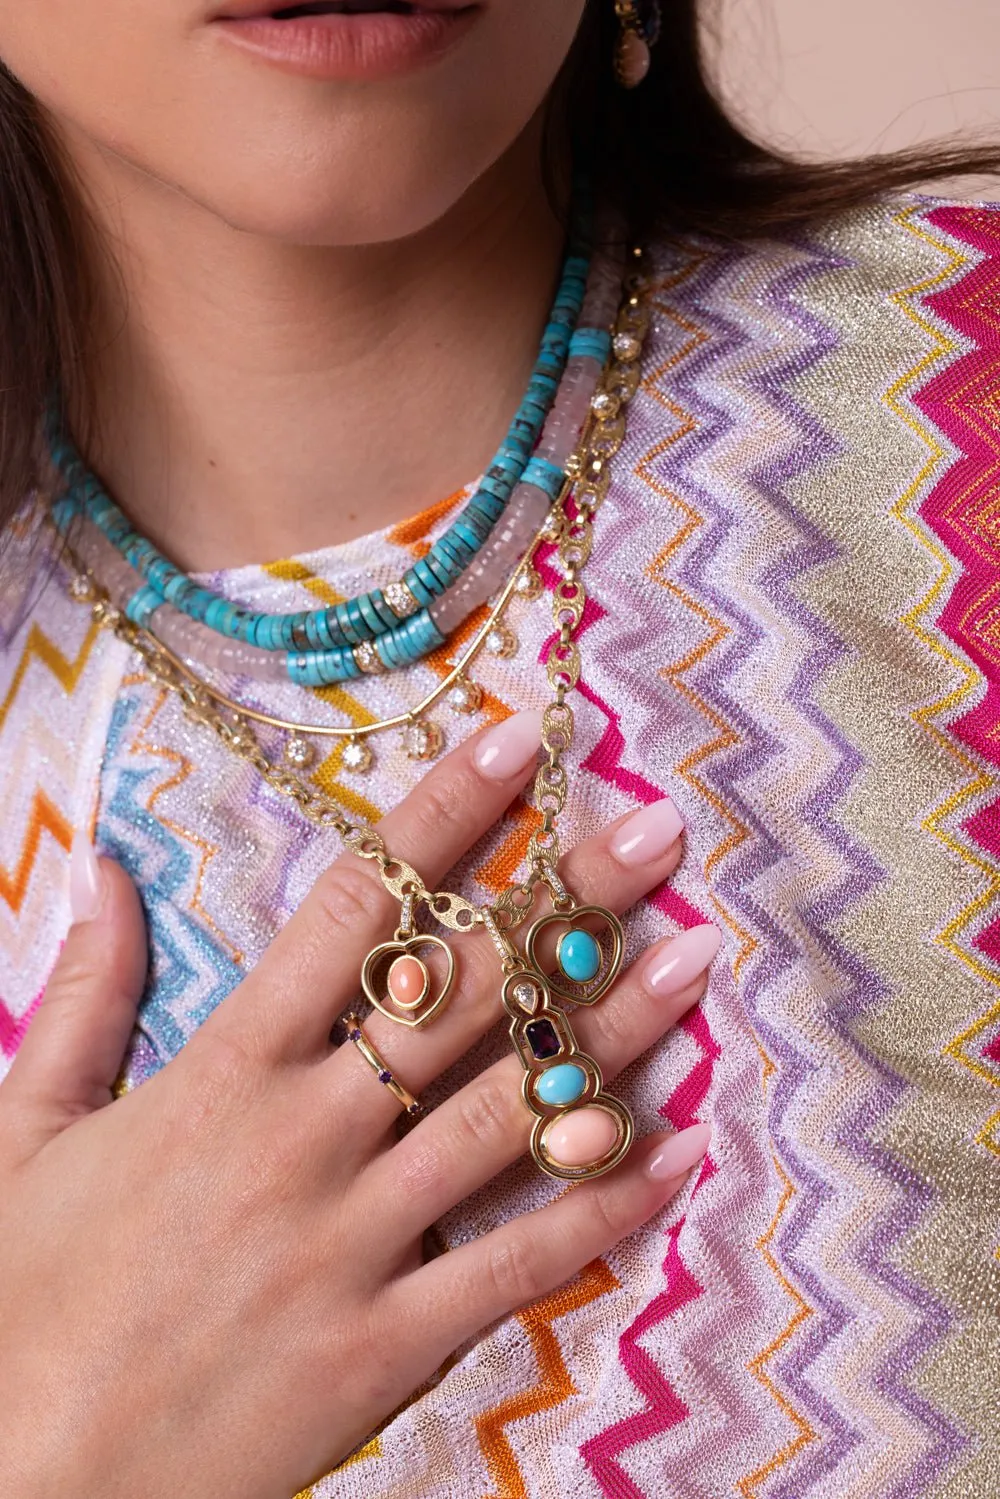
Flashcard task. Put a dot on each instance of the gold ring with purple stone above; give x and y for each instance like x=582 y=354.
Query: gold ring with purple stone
x=385 y=1076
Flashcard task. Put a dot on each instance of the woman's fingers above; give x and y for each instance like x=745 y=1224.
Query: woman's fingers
x=614 y=869
x=458 y=1293
x=74 y=1046
x=480 y=1130
x=310 y=972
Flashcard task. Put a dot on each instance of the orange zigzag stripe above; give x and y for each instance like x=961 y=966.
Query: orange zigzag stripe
x=40 y=647
x=750 y=1485
x=43 y=818
x=555 y=1385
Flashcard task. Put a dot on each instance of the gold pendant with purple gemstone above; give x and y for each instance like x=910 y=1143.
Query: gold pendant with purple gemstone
x=579 y=1131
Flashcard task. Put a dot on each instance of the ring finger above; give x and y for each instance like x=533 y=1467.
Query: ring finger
x=485 y=1126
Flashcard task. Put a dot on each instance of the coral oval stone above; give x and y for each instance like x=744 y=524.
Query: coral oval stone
x=581 y=1138
x=579 y=955
x=562 y=1084
x=408 y=982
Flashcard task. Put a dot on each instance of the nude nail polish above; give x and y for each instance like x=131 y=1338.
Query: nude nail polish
x=648 y=833
x=514 y=744
x=683 y=958
x=86 y=882
x=680 y=1153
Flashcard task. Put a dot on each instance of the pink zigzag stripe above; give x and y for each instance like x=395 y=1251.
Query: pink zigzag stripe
x=13 y=1029
x=664 y=1406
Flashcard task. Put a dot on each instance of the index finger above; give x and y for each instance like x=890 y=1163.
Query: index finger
x=288 y=1006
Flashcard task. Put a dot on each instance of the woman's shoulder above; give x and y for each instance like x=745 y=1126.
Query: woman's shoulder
x=851 y=263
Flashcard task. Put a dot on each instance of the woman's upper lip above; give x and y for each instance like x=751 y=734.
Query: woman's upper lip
x=249 y=10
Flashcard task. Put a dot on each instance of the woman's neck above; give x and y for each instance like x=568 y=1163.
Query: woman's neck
x=256 y=399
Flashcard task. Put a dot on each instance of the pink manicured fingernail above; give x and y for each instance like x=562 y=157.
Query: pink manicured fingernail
x=680 y=960
x=86 y=882
x=648 y=833
x=680 y=1153
x=512 y=745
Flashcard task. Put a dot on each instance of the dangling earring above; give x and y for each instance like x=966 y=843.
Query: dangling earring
x=635 y=38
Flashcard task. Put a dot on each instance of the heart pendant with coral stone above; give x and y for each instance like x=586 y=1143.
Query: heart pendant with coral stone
x=399 y=982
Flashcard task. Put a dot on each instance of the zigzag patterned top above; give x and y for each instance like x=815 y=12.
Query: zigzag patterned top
x=795 y=630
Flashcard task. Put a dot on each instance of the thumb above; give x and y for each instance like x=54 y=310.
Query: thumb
x=73 y=1049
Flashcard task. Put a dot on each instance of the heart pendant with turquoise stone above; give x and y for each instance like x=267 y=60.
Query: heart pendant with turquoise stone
x=587 y=964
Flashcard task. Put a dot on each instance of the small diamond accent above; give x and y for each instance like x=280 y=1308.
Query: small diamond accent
x=400 y=600
x=465 y=697
x=529 y=584
x=423 y=739
x=357 y=757
x=299 y=752
x=502 y=642
x=627 y=346
x=83 y=589
x=525 y=995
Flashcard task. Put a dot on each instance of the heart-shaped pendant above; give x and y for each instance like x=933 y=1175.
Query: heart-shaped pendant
x=399 y=983
x=586 y=965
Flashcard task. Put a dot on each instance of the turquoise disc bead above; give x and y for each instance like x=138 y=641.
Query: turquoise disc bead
x=562 y=1084
x=579 y=955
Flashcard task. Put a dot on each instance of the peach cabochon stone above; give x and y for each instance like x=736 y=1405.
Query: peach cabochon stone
x=581 y=1137
x=407 y=981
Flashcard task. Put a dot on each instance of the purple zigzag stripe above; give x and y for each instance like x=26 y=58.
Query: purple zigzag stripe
x=737 y=874
x=744 y=1174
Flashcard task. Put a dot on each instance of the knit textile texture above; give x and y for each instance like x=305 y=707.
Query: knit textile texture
x=794 y=630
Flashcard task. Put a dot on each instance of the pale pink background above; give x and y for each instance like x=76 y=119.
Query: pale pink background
x=843 y=77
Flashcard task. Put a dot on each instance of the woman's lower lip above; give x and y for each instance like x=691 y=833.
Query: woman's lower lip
x=375 y=44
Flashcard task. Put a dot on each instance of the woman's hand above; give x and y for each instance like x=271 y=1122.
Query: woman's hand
x=213 y=1286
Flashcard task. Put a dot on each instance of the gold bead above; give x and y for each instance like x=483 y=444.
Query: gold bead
x=400 y=599
x=368 y=659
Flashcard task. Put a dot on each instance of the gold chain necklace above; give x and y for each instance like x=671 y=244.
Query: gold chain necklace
x=587 y=965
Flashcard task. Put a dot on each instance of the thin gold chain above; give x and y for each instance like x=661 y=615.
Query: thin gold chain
x=571 y=527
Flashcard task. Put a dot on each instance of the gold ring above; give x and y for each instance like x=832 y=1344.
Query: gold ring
x=354 y=1033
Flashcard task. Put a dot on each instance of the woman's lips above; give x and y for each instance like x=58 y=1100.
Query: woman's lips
x=347 y=46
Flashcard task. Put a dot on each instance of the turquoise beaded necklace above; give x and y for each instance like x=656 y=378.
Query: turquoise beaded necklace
x=395 y=624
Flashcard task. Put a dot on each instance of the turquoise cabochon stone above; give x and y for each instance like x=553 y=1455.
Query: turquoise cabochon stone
x=562 y=1084
x=579 y=955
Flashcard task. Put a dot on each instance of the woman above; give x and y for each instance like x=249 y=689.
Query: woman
x=277 y=283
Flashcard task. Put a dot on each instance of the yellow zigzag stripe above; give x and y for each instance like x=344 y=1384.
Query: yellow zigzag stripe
x=39 y=646
x=980 y=780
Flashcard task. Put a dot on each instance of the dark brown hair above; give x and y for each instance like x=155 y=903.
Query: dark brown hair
x=667 y=152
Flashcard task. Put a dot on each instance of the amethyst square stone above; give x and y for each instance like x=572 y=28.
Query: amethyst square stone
x=542 y=1038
